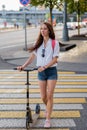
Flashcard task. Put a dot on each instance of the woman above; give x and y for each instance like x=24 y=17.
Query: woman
x=47 y=59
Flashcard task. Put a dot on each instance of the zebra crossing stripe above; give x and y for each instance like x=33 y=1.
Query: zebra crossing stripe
x=57 y=90
x=39 y=129
x=33 y=76
x=35 y=83
x=32 y=72
x=55 y=114
x=21 y=123
x=20 y=107
x=38 y=100
x=61 y=100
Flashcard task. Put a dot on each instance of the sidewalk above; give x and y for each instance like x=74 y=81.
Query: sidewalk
x=72 y=60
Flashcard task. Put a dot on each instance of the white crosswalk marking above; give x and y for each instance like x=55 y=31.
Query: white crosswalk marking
x=68 y=104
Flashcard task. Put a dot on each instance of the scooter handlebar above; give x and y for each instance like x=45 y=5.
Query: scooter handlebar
x=28 y=69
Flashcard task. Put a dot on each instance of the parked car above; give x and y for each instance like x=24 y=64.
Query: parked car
x=81 y=24
x=71 y=25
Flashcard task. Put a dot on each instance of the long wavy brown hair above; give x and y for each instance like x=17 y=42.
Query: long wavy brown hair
x=40 y=37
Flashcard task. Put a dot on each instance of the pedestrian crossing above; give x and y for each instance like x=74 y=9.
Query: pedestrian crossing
x=70 y=100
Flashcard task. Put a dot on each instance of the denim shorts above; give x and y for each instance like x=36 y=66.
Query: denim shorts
x=48 y=74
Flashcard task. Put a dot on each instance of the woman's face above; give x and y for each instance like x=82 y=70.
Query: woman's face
x=44 y=30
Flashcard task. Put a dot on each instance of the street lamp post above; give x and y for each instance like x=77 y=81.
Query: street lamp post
x=4 y=16
x=25 y=3
x=65 y=29
x=25 y=29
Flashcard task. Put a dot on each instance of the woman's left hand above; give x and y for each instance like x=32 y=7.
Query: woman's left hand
x=42 y=68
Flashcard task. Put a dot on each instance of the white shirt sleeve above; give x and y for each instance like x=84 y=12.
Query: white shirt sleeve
x=56 y=49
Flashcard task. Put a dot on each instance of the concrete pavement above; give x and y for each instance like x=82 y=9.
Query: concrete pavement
x=72 y=60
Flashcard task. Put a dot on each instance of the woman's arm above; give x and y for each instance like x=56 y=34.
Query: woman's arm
x=29 y=61
x=52 y=62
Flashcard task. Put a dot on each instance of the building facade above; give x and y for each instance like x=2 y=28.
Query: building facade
x=34 y=16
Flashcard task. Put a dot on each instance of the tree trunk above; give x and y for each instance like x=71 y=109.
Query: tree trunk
x=51 y=8
x=51 y=16
x=78 y=18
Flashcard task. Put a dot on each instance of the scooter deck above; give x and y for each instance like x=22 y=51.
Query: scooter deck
x=34 y=117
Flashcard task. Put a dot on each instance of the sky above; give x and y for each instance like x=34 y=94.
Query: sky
x=10 y=4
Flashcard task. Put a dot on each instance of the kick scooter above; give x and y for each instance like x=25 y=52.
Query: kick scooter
x=30 y=119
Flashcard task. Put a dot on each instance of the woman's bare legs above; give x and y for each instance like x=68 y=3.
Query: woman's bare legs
x=50 y=90
x=47 y=90
x=43 y=90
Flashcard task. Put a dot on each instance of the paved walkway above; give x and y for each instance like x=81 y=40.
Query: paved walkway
x=72 y=60
x=70 y=101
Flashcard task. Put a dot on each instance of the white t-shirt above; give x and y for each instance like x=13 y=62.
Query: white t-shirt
x=49 y=53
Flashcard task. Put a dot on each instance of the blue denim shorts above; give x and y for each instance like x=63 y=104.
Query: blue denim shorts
x=48 y=74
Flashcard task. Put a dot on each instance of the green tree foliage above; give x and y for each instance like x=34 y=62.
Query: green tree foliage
x=47 y=3
x=79 y=6
x=72 y=5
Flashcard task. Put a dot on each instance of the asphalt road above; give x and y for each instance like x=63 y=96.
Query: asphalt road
x=16 y=38
x=12 y=44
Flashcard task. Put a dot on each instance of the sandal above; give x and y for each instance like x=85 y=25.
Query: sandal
x=47 y=124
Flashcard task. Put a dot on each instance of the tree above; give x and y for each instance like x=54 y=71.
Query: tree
x=73 y=6
x=78 y=6
x=47 y=3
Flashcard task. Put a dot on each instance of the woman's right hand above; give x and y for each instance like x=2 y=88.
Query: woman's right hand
x=20 y=68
